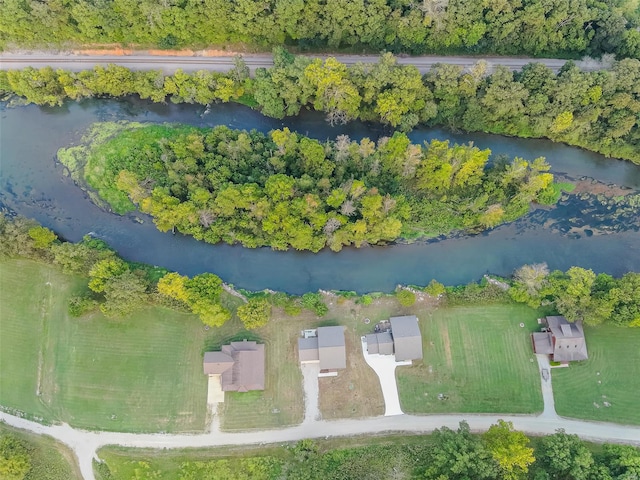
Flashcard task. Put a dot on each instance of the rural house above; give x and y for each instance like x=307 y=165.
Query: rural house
x=324 y=345
x=400 y=336
x=562 y=340
x=239 y=366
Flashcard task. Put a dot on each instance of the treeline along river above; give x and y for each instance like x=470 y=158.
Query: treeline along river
x=578 y=231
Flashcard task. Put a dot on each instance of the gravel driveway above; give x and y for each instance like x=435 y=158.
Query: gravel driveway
x=310 y=373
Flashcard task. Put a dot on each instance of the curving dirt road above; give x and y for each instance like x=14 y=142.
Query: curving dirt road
x=169 y=64
x=85 y=444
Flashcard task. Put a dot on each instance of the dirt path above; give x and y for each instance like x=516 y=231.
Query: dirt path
x=85 y=444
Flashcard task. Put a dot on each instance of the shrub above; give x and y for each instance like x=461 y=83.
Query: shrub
x=406 y=297
x=315 y=303
x=80 y=305
x=365 y=300
x=435 y=288
x=255 y=313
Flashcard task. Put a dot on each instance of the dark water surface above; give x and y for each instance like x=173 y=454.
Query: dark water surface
x=32 y=184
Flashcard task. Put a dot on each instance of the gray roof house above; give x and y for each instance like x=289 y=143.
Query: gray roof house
x=326 y=348
x=240 y=366
x=407 y=339
x=380 y=343
x=399 y=335
x=563 y=341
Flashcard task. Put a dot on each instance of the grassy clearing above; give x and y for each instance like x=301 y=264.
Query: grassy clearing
x=143 y=373
x=282 y=401
x=356 y=391
x=479 y=357
x=612 y=374
x=50 y=460
x=32 y=300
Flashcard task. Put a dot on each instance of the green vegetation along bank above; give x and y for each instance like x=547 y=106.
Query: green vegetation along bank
x=64 y=360
x=285 y=190
x=593 y=110
x=26 y=456
x=535 y=27
x=501 y=453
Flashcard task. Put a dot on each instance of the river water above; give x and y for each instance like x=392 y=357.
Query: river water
x=32 y=184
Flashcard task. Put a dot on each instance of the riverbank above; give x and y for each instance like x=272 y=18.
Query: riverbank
x=415 y=100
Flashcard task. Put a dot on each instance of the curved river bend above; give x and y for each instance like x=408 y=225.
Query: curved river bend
x=32 y=184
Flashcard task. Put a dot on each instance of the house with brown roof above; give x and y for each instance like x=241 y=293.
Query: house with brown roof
x=400 y=336
x=239 y=366
x=562 y=340
x=325 y=346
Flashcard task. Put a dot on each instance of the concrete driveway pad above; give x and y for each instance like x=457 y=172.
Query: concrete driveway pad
x=385 y=368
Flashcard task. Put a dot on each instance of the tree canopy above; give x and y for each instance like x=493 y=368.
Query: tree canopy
x=538 y=28
x=285 y=190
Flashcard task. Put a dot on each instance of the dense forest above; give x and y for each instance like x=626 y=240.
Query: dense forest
x=514 y=27
x=285 y=190
x=598 y=111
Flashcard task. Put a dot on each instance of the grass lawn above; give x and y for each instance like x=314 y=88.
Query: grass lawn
x=282 y=401
x=478 y=357
x=612 y=375
x=142 y=373
x=50 y=460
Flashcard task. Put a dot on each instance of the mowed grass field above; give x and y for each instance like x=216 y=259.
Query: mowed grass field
x=50 y=460
x=282 y=401
x=478 y=358
x=611 y=375
x=142 y=373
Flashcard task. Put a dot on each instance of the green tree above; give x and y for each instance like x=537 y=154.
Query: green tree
x=255 y=313
x=123 y=294
x=15 y=461
x=458 y=455
x=564 y=456
x=510 y=449
x=435 y=288
x=105 y=270
x=405 y=297
x=42 y=236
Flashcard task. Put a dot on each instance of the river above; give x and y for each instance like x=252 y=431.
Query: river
x=34 y=185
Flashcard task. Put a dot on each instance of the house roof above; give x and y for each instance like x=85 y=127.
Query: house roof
x=308 y=349
x=568 y=339
x=406 y=337
x=331 y=348
x=542 y=343
x=245 y=371
x=216 y=363
x=380 y=343
x=372 y=343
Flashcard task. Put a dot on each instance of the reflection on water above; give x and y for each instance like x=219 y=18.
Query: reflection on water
x=32 y=184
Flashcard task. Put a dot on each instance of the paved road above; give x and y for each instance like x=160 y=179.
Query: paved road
x=85 y=444
x=169 y=64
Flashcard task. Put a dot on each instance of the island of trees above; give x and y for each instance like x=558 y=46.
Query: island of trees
x=598 y=110
x=285 y=190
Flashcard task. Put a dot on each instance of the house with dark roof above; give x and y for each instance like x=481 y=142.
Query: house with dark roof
x=400 y=336
x=380 y=343
x=562 y=340
x=325 y=346
x=239 y=365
